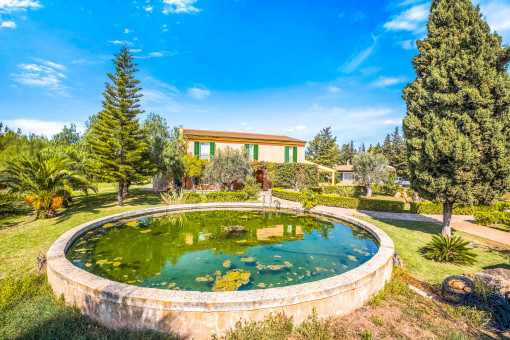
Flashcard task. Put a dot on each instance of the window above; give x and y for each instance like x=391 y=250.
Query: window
x=347 y=176
x=205 y=148
x=249 y=147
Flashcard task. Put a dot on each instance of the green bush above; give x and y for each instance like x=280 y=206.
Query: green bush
x=309 y=200
x=317 y=190
x=341 y=190
x=449 y=249
x=458 y=209
x=287 y=195
x=252 y=188
x=217 y=196
x=344 y=202
x=437 y=209
x=290 y=175
x=492 y=217
x=6 y=205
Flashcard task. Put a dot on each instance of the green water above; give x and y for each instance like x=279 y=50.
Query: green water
x=190 y=251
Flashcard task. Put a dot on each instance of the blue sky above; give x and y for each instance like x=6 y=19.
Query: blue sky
x=278 y=67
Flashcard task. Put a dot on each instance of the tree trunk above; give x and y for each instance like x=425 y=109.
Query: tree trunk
x=369 y=190
x=125 y=190
x=416 y=197
x=447 y=219
x=119 y=195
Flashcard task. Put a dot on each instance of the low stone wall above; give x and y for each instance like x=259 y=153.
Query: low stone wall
x=200 y=314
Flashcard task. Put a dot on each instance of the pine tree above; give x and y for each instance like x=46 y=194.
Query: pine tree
x=323 y=149
x=458 y=114
x=117 y=141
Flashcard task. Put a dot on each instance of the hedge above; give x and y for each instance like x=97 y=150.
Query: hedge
x=458 y=209
x=288 y=175
x=217 y=196
x=492 y=217
x=344 y=202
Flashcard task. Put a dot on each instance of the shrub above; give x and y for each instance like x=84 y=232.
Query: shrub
x=173 y=197
x=291 y=175
x=317 y=190
x=194 y=197
x=437 y=209
x=309 y=200
x=341 y=190
x=344 y=202
x=252 y=188
x=458 y=209
x=287 y=195
x=226 y=196
x=6 y=205
x=449 y=249
x=492 y=217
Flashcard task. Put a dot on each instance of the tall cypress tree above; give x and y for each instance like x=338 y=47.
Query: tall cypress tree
x=458 y=114
x=323 y=149
x=118 y=142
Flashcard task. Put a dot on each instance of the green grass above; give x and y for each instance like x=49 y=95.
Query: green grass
x=24 y=238
x=409 y=237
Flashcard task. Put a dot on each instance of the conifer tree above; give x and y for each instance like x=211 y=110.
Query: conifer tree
x=323 y=149
x=117 y=141
x=458 y=114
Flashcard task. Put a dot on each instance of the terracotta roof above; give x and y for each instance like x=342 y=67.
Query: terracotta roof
x=344 y=167
x=240 y=135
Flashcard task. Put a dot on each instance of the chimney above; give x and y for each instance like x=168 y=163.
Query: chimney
x=347 y=162
x=180 y=131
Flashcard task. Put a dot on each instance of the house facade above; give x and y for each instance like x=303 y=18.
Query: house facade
x=261 y=147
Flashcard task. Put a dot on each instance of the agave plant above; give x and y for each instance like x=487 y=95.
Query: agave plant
x=173 y=197
x=45 y=183
x=449 y=249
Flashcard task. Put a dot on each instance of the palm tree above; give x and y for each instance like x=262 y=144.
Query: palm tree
x=45 y=183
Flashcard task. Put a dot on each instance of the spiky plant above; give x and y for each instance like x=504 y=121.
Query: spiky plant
x=449 y=249
x=44 y=183
x=173 y=197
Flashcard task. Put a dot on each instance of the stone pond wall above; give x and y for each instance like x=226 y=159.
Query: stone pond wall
x=200 y=314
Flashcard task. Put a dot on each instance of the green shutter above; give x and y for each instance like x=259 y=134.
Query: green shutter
x=197 y=148
x=212 y=149
x=294 y=154
x=286 y=156
x=256 y=152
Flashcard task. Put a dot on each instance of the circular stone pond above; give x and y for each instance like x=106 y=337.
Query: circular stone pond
x=197 y=269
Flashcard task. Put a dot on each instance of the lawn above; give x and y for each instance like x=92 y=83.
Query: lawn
x=25 y=237
x=409 y=237
x=29 y=310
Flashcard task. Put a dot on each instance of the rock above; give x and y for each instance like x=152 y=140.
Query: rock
x=234 y=229
x=497 y=278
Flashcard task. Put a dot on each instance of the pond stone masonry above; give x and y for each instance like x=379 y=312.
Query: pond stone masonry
x=199 y=315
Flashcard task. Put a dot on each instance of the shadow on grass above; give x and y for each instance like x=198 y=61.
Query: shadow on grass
x=96 y=203
x=431 y=227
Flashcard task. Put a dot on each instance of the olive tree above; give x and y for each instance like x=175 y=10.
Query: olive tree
x=228 y=167
x=369 y=169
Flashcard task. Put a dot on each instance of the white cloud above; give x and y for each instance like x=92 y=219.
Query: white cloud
x=179 y=6
x=120 y=42
x=392 y=122
x=8 y=24
x=136 y=50
x=148 y=8
x=127 y=30
x=388 y=81
x=300 y=127
x=40 y=127
x=18 y=5
x=334 y=89
x=198 y=93
x=412 y=19
x=497 y=14
x=354 y=61
x=407 y=44
x=46 y=74
x=157 y=54
x=83 y=61
x=243 y=123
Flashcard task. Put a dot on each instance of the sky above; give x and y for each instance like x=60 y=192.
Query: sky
x=287 y=67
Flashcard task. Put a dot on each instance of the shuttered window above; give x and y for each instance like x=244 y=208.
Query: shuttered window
x=286 y=154
x=256 y=152
x=213 y=148
x=294 y=154
x=197 y=148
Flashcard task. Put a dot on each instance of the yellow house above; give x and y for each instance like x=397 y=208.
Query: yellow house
x=267 y=148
